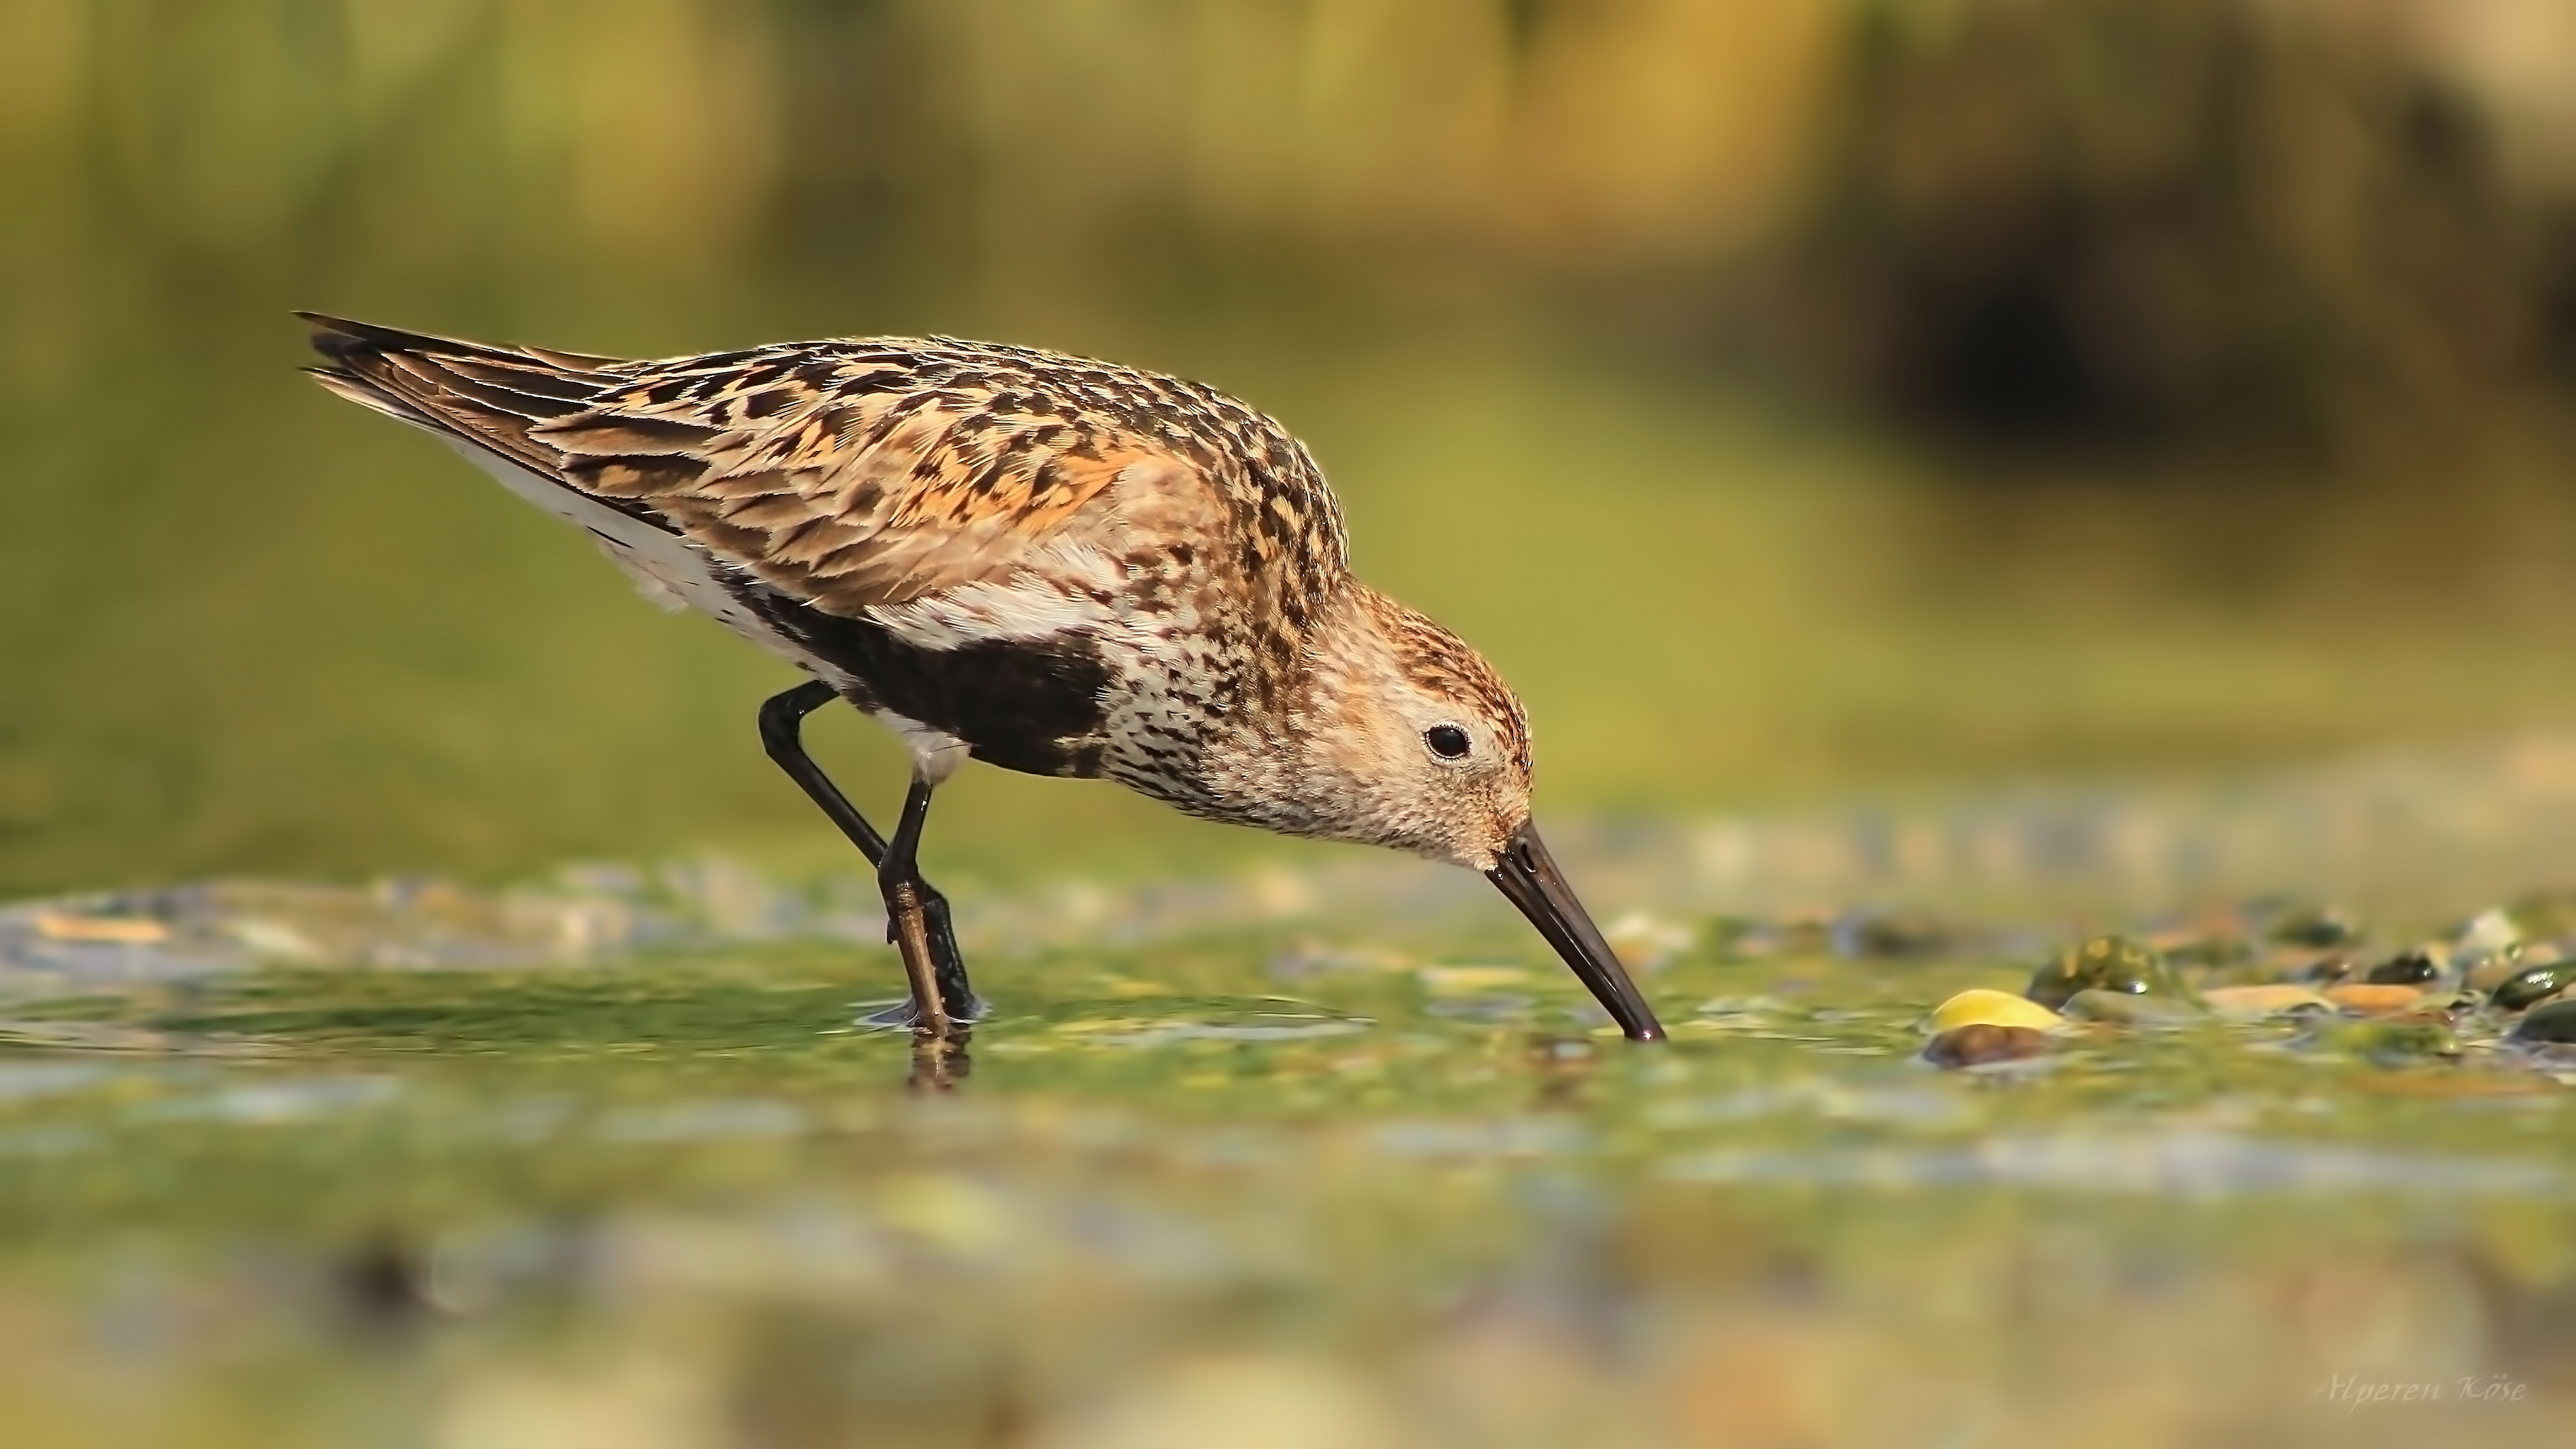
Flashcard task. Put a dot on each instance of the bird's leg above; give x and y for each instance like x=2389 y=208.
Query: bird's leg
x=782 y=721
x=899 y=876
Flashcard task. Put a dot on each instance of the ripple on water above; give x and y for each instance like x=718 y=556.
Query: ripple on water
x=1172 y=1020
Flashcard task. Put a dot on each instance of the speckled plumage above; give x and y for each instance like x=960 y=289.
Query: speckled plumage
x=1061 y=566
x=1153 y=540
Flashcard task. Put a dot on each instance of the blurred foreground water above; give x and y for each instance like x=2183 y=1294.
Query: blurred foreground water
x=1319 y=1157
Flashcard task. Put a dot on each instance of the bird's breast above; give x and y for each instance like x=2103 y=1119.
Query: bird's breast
x=1025 y=699
x=1085 y=663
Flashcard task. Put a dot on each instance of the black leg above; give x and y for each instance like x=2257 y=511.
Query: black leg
x=899 y=877
x=782 y=733
x=782 y=721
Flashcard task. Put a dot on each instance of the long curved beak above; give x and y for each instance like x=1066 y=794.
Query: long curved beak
x=1528 y=875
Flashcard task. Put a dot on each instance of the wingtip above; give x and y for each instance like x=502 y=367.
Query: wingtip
x=336 y=337
x=348 y=330
x=327 y=324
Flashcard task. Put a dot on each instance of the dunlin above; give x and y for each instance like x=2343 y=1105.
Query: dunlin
x=1055 y=565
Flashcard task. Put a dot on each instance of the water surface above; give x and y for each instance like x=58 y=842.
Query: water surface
x=1253 y=1184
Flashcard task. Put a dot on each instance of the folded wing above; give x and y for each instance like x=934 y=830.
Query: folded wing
x=851 y=475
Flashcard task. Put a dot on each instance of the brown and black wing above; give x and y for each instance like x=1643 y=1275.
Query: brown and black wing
x=863 y=473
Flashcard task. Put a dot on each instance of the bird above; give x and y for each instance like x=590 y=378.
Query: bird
x=1054 y=565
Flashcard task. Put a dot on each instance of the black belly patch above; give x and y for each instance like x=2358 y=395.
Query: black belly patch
x=1035 y=707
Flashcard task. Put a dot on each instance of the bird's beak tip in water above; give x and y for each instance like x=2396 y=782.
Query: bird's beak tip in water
x=1526 y=873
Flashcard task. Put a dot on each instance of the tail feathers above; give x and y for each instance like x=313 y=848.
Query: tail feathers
x=489 y=401
x=358 y=390
x=488 y=396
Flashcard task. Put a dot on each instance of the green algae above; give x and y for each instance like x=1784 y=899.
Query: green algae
x=1185 y=1163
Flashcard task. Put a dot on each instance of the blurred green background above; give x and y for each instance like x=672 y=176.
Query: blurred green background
x=1795 y=399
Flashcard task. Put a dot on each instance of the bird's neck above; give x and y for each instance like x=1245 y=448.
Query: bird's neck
x=1289 y=767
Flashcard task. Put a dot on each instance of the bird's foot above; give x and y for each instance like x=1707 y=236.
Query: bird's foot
x=947 y=967
x=905 y=1015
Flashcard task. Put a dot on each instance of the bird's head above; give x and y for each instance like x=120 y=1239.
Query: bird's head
x=1427 y=749
x=1411 y=740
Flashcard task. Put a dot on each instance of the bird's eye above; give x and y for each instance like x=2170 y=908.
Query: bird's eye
x=1447 y=741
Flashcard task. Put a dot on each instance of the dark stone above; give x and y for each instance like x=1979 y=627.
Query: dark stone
x=2551 y=1022
x=1981 y=1044
x=2533 y=984
x=2104 y=963
x=2413 y=968
x=2326 y=970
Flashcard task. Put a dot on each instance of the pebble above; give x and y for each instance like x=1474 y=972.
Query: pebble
x=1981 y=1007
x=2104 y=963
x=2412 y=968
x=2325 y=970
x=63 y=926
x=2533 y=984
x=2375 y=999
x=1980 y=1044
x=2552 y=1022
x=2490 y=972
x=2488 y=930
x=2253 y=1003
x=2129 y=1010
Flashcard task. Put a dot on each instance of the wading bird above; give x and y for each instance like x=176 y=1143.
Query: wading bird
x=1055 y=565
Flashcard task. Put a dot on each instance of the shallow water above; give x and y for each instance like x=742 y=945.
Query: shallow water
x=1242 y=1184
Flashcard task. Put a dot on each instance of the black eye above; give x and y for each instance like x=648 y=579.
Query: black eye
x=1447 y=741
